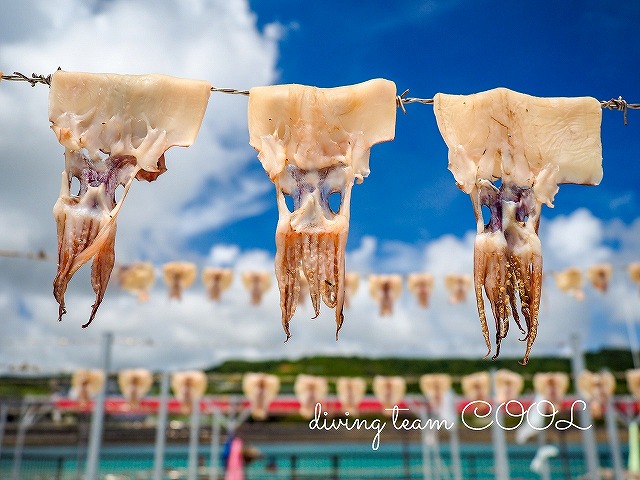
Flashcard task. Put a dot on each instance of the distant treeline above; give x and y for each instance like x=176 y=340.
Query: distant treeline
x=613 y=360
x=616 y=361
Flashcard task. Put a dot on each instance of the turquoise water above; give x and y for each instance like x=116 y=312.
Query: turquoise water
x=298 y=461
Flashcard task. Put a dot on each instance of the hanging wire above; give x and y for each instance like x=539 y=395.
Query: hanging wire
x=619 y=104
x=39 y=255
x=401 y=100
x=231 y=91
x=33 y=79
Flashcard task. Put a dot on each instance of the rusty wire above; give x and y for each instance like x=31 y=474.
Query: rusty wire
x=619 y=104
x=33 y=79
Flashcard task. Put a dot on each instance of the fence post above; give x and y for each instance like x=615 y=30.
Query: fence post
x=454 y=446
x=4 y=411
x=500 y=457
x=426 y=450
x=97 y=416
x=215 y=442
x=545 y=474
x=194 y=436
x=614 y=442
x=161 y=427
x=588 y=436
x=26 y=420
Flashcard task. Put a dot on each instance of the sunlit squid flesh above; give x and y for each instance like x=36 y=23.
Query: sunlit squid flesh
x=532 y=144
x=314 y=143
x=114 y=128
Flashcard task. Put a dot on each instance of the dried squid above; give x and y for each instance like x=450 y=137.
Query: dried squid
x=216 y=281
x=350 y=392
x=309 y=391
x=261 y=389
x=134 y=384
x=188 y=387
x=114 y=128
x=389 y=391
x=386 y=290
x=532 y=144
x=314 y=143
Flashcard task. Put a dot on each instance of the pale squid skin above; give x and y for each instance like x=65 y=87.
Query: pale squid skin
x=458 y=286
x=551 y=386
x=137 y=278
x=350 y=392
x=434 y=386
x=600 y=276
x=216 y=281
x=261 y=389
x=257 y=284
x=134 y=385
x=314 y=143
x=179 y=276
x=389 y=391
x=386 y=290
x=508 y=385
x=188 y=387
x=597 y=388
x=114 y=128
x=476 y=386
x=86 y=384
x=532 y=144
x=421 y=285
x=570 y=282
x=309 y=391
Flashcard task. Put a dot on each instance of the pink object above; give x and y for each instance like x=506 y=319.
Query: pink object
x=235 y=464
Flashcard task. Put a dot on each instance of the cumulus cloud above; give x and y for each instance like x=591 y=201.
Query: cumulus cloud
x=574 y=240
x=196 y=332
x=223 y=255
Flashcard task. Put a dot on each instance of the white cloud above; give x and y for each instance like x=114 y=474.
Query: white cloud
x=360 y=259
x=573 y=241
x=204 y=39
x=223 y=255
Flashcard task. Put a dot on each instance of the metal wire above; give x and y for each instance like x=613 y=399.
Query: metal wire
x=401 y=100
x=33 y=79
x=231 y=91
x=619 y=104
x=39 y=255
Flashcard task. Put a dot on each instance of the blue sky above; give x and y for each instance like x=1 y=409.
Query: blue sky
x=215 y=205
